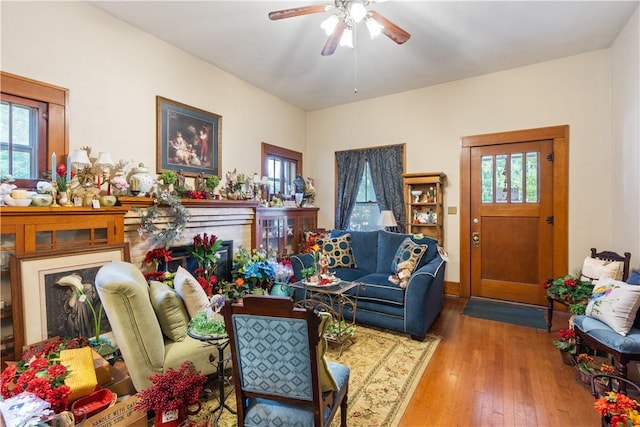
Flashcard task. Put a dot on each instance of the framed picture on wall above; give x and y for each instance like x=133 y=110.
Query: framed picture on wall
x=50 y=285
x=189 y=139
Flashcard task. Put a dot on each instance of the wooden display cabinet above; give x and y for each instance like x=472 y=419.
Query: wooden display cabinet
x=39 y=230
x=424 y=201
x=282 y=229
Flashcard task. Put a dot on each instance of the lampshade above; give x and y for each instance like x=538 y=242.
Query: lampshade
x=104 y=160
x=386 y=219
x=80 y=158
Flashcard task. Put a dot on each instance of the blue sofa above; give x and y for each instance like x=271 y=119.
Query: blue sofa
x=381 y=303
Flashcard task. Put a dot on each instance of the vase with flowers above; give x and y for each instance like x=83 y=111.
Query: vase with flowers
x=40 y=372
x=171 y=394
x=283 y=271
x=254 y=268
x=570 y=289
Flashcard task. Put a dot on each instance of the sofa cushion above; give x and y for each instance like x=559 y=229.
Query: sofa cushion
x=378 y=288
x=364 y=245
x=388 y=244
x=349 y=274
x=614 y=303
x=408 y=250
x=594 y=269
x=338 y=250
x=191 y=292
x=170 y=311
x=629 y=344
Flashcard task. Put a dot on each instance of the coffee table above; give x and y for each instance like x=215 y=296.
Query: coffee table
x=333 y=299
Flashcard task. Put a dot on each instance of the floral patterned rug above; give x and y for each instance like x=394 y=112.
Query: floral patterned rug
x=385 y=370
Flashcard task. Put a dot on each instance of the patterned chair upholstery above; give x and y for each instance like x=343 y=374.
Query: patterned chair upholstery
x=276 y=351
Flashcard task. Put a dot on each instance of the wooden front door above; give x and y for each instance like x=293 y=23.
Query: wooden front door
x=512 y=223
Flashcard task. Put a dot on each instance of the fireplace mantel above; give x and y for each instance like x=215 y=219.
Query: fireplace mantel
x=227 y=219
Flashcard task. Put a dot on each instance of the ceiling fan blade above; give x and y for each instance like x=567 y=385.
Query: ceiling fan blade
x=390 y=29
x=333 y=40
x=297 y=11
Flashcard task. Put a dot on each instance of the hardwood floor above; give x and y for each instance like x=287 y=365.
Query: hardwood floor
x=487 y=373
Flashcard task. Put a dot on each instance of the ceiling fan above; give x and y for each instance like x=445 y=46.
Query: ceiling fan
x=339 y=26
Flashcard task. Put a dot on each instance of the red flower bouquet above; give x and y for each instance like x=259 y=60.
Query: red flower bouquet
x=40 y=372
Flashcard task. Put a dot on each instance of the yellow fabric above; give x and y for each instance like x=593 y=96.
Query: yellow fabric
x=327 y=382
x=82 y=378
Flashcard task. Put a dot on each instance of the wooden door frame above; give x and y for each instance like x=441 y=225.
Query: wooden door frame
x=559 y=135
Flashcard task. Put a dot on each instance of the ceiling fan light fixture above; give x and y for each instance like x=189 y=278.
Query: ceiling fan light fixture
x=347 y=38
x=329 y=24
x=357 y=10
x=373 y=26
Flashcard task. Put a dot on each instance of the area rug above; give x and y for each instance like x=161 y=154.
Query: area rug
x=385 y=370
x=504 y=312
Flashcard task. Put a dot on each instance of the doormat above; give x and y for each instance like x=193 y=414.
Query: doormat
x=504 y=312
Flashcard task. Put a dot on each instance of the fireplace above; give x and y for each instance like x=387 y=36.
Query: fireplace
x=181 y=257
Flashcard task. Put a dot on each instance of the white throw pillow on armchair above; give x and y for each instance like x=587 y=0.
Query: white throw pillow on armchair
x=594 y=269
x=614 y=303
x=194 y=297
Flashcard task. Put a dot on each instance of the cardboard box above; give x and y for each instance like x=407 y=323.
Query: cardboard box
x=119 y=415
x=120 y=383
x=102 y=368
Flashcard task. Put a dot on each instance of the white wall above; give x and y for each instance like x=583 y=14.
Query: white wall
x=573 y=91
x=114 y=72
x=625 y=141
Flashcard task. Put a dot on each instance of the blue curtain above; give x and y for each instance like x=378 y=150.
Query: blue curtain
x=350 y=165
x=386 y=176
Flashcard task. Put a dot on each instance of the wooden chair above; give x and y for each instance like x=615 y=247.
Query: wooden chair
x=276 y=352
x=604 y=255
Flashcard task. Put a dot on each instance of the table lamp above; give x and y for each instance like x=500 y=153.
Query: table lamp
x=387 y=221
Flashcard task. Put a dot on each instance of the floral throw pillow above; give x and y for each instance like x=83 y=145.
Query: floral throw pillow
x=338 y=250
x=408 y=250
x=614 y=303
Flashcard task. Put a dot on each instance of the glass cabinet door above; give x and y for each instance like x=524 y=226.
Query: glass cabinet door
x=7 y=247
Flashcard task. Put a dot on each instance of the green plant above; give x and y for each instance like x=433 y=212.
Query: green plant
x=211 y=182
x=201 y=324
x=572 y=290
x=308 y=272
x=169 y=177
x=567 y=341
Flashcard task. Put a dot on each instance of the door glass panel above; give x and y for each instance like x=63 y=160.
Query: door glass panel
x=501 y=178
x=533 y=181
x=487 y=179
x=516 y=178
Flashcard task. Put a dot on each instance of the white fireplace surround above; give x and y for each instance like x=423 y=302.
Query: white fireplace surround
x=227 y=223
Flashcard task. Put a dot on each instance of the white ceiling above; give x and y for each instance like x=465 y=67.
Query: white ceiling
x=450 y=40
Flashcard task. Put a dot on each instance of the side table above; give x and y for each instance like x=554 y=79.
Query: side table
x=220 y=343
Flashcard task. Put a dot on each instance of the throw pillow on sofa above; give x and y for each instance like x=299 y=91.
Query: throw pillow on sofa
x=191 y=292
x=408 y=251
x=338 y=250
x=614 y=303
x=170 y=311
x=594 y=269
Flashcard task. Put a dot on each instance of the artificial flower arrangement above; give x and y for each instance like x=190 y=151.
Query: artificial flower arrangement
x=205 y=251
x=619 y=410
x=254 y=268
x=572 y=290
x=174 y=389
x=159 y=257
x=40 y=372
x=567 y=341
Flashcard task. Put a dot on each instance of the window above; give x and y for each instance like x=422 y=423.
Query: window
x=366 y=211
x=505 y=175
x=33 y=125
x=280 y=166
x=23 y=137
